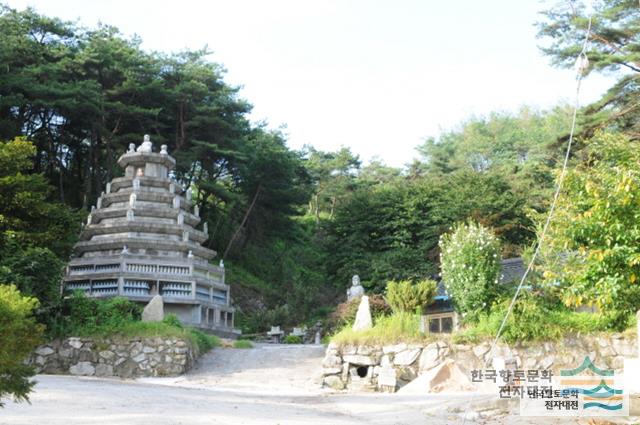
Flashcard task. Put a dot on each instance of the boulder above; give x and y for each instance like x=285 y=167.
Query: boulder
x=448 y=377
x=333 y=381
x=44 y=350
x=406 y=357
x=154 y=311
x=429 y=358
x=358 y=359
x=82 y=369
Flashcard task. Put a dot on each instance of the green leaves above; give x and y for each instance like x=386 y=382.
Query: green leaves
x=19 y=337
x=406 y=296
x=470 y=263
x=593 y=243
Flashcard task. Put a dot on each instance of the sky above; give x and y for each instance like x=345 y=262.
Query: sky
x=375 y=76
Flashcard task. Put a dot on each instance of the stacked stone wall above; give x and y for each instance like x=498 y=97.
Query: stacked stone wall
x=358 y=367
x=122 y=357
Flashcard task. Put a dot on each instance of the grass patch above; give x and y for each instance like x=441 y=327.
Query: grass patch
x=399 y=327
x=242 y=343
x=292 y=339
x=549 y=326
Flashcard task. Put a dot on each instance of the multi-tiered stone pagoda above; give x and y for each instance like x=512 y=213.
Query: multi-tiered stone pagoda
x=141 y=240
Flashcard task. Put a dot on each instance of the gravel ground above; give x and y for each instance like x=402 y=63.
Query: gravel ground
x=269 y=384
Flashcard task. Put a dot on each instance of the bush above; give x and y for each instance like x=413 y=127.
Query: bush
x=533 y=319
x=20 y=334
x=79 y=315
x=204 y=341
x=470 y=263
x=172 y=320
x=292 y=339
x=403 y=296
x=345 y=313
x=242 y=343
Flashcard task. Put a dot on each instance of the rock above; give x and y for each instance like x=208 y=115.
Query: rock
x=332 y=361
x=107 y=355
x=104 y=370
x=359 y=360
x=40 y=360
x=44 y=350
x=331 y=371
x=407 y=357
x=363 y=316
x=447 y=377
x=126 y=369
x=148 y=350
x=82 y=369
x=547 y=362
x=333 y=381
x=407 y=374
x=481 y=350
x=154 y=311
x=390 y=349
x=139 y=358
x=75 y=342
x=385 y=361
x=429 y=358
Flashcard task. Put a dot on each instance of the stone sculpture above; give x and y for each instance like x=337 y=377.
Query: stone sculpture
x=146 y=145
x=356 y=289
x=363 y=316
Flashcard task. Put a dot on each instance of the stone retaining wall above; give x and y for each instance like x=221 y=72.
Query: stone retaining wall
x=123 y=357
x=358 y=367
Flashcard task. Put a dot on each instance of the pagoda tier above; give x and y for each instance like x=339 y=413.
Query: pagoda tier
x=141 y=240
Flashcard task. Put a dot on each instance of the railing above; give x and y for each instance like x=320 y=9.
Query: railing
x=176 y=289
x=202 y=293
x=136 y=287
x=104 y=287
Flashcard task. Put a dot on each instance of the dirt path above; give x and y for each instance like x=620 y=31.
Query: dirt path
x=268 y=384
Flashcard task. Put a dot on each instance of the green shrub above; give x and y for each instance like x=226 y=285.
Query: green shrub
x=403 y=296
x=242 y=343
x=204 y=341
x=470 y=263
x=172 y=320
x=19 y=336
x=533 y=319
x=292 y=339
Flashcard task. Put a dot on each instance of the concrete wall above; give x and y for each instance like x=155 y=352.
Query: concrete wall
x=123 y=357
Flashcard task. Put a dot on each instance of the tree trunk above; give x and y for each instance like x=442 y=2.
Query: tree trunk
x=244 y=220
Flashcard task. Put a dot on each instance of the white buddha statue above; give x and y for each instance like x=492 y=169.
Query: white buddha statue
x=356 y=289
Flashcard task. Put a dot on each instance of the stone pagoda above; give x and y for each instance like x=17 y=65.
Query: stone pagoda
x=141 y=240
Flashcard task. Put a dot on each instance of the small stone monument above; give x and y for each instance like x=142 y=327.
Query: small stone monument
x=163 y=150
x=146 y=145
x=154 y=311
x=356 y=289
x=132 y=148
x=176 y=202
x=132 y=200
x=317 y=339
x=387 y=379
x=130 y=216
x=363 y=316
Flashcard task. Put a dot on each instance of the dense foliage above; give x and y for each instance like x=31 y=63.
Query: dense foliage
x=593 y=254
x=406 y=296
x=19 y=337
x=294 y=226
x=470 y=261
